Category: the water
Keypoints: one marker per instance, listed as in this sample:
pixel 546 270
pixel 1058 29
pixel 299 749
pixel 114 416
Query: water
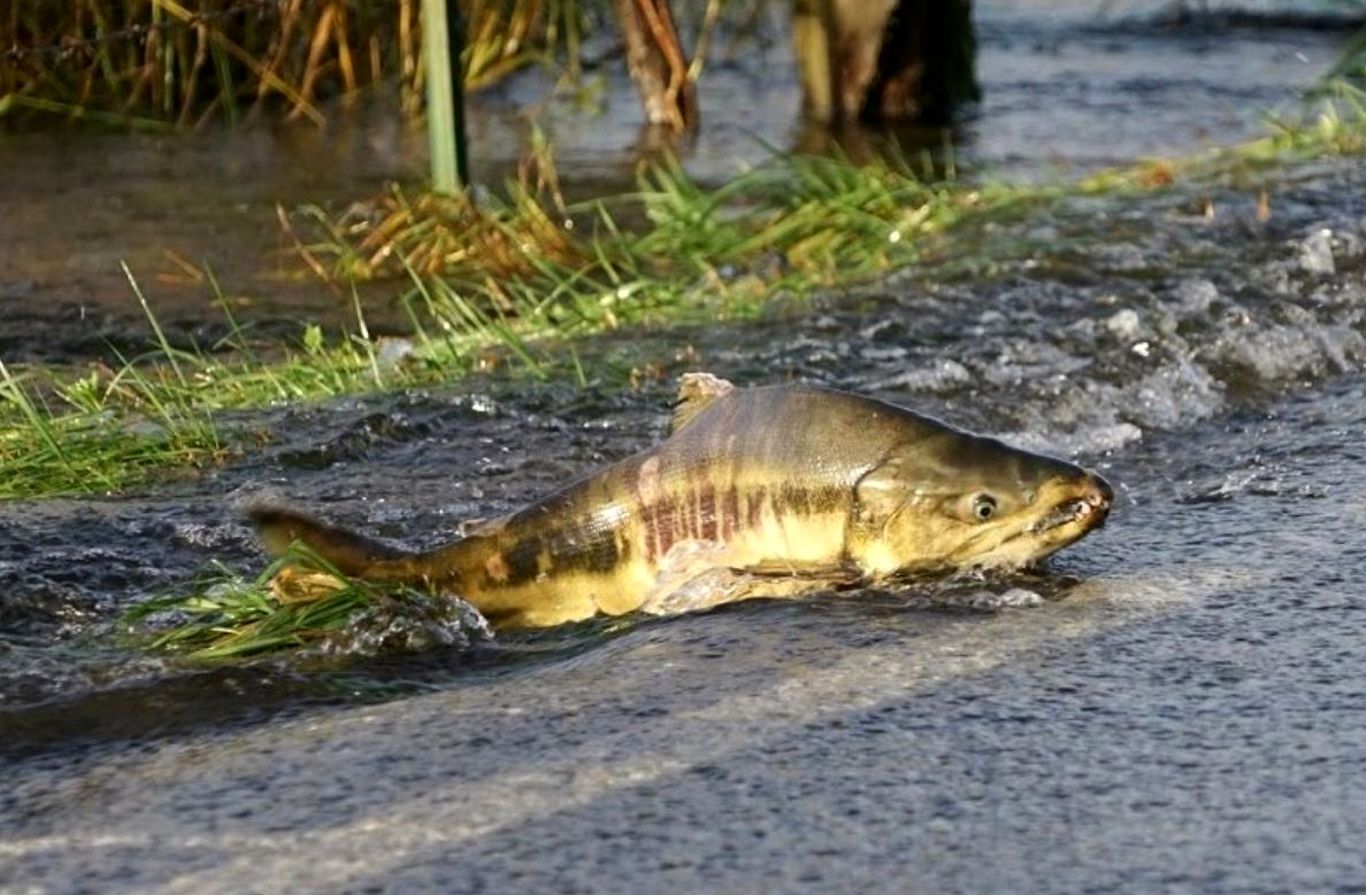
pixel 1068 87
pixel 1187 716
pixel 1180 710
pixel 1175 704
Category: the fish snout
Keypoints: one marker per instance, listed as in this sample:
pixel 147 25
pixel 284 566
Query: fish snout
pixel 1098 492
pixel 1096 498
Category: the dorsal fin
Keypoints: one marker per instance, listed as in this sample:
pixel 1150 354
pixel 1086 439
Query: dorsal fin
pixel 696 392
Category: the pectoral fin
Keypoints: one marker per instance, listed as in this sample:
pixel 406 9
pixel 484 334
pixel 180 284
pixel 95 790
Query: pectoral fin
pixel 715 587
pixel 838 575
pixel 692 577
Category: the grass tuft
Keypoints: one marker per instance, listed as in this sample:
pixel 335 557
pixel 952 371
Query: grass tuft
pixel 1334 126
pixel 529 265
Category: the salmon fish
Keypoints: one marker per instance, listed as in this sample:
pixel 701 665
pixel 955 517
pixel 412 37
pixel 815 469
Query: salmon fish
pixel 767 491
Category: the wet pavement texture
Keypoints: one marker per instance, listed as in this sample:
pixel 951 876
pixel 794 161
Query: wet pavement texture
pixel 1176 704
pixel 1188 716
pixel 1180 710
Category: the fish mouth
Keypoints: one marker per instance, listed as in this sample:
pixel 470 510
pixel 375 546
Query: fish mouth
pixel 1088 511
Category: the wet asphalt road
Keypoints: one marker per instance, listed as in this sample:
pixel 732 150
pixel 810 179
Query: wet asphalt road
pixel 1188 718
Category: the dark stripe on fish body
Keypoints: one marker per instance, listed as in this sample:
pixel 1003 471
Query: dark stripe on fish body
pixel 698 515
pixel 694 513
pixel 685 519
pixel 597 551
pixel 794 499
pixel 687 515
pixel 665 531
pixel 523 560
pixel 706 508
pixel 575 548
pixel 730 512
pixel 647 523
pixel 754 506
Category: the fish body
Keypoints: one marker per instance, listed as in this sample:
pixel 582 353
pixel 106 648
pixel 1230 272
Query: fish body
pixel 762 491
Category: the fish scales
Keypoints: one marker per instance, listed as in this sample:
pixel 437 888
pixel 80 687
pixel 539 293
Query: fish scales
pixel 611 532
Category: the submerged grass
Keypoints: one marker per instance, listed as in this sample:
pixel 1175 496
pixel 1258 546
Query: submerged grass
pixel 673 249
pixel 109 429
pixel 49 453
pixel 535 265
pixel 297 602
pixel 1338 127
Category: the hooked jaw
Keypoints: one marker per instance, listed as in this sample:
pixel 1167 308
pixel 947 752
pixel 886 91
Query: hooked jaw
pixel 1098 497
pixel 1087 510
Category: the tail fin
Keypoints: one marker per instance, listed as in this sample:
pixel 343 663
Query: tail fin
pixel 353 554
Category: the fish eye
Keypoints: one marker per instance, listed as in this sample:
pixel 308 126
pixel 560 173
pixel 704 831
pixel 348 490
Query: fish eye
pixel 983 507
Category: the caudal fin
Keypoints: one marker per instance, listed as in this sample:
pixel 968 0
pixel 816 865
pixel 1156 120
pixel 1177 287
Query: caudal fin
pixel 353 554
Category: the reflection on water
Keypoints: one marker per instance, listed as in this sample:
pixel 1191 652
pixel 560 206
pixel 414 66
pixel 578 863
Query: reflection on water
pixel 1064 90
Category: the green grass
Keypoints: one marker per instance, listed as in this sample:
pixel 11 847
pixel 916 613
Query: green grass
pixel 531 264
pixel 1337 127
pixel 533 285
pixel 108 430
pixel 826 221
pixel 227 616
pixel 103 435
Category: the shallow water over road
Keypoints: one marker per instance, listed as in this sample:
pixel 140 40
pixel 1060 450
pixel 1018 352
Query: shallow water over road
pixel 1188 715
pixel 1175 704
pixel 1182 708
pixel 1110 326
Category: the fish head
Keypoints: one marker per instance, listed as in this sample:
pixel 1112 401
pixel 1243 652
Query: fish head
pixel 954 500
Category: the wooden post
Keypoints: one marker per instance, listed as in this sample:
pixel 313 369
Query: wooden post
pixel 442 42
